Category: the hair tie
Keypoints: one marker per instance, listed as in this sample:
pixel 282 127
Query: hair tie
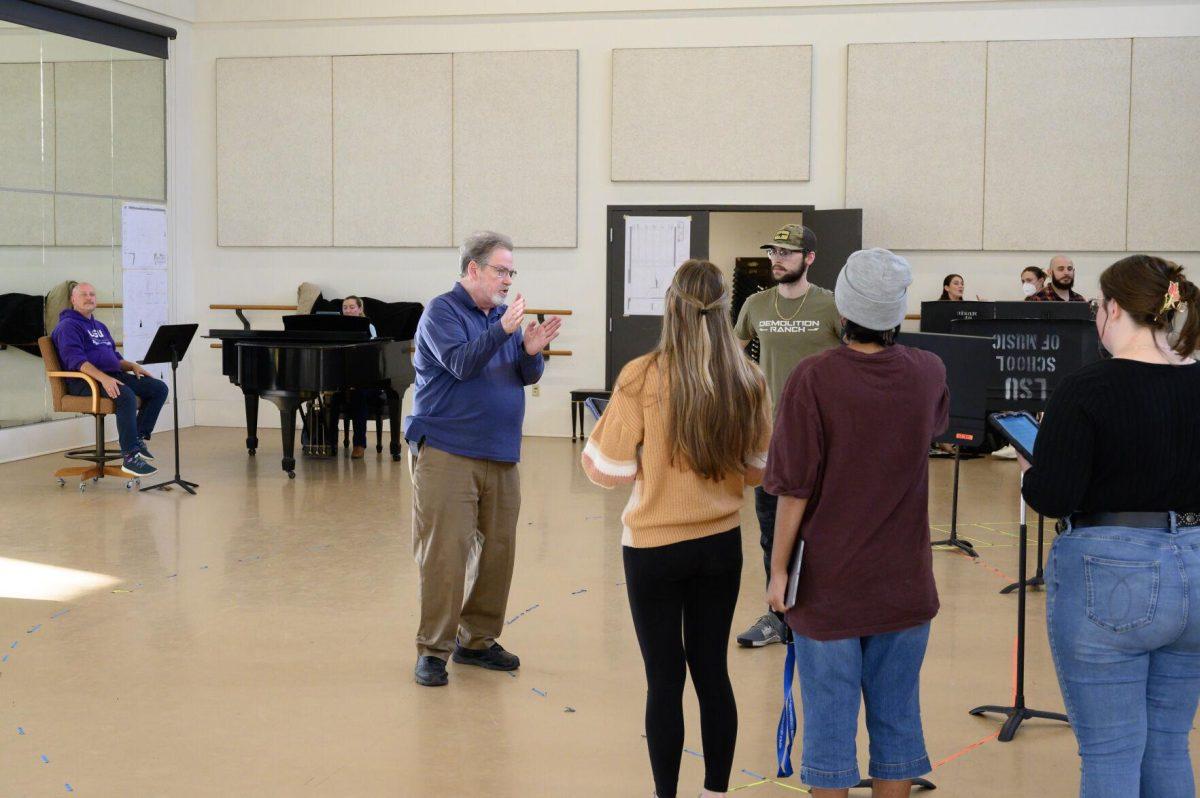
pixel 1170 299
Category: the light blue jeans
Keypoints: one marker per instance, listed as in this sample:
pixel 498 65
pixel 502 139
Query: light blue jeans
pixel 1123 613
pixel 836 677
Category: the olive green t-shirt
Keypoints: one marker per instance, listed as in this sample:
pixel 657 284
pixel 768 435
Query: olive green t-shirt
pixel 789 331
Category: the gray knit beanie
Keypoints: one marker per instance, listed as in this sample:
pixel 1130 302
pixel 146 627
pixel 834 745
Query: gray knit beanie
pixel 872 289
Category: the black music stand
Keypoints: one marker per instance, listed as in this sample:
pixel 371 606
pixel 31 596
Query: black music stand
pixel 170 344
pixel 966 360
pixel 1018 712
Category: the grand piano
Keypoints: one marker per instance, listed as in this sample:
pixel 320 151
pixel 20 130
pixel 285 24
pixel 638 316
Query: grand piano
pixel 290 367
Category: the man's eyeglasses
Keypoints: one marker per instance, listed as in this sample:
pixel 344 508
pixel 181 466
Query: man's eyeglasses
pixel 779 254
pixel 505 274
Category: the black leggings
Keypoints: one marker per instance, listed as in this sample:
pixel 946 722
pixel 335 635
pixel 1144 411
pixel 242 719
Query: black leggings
pixel 688 587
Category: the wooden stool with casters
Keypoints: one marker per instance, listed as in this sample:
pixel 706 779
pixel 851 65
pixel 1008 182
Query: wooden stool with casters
pixel 97 405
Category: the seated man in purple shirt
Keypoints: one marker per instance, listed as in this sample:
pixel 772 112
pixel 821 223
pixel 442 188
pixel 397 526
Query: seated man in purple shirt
pixel 84 344
pixel 473 362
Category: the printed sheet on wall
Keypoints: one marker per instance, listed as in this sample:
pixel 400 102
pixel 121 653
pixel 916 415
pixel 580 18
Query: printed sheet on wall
pixel 655 246
pixel 145 279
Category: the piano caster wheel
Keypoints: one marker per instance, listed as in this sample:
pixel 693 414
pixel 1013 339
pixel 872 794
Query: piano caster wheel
pixel 62 483
pixel 378 449
pixel 291 475
pixel 395 458
pixel 83 487
pixel 129 484
pixel 251 451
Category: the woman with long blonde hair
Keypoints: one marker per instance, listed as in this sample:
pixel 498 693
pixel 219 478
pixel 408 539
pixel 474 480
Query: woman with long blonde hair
pixel 688 425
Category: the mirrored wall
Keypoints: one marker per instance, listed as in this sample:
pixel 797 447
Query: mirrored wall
pixel 82 132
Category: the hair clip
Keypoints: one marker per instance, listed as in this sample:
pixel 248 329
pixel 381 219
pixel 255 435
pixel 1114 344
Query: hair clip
pixel 1170 299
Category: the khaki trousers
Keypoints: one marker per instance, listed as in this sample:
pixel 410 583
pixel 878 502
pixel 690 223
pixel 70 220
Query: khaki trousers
pixel 464 541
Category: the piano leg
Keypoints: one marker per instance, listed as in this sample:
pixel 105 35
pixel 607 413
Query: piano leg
pixel 393 402
pixel 287 417
pixel 251 422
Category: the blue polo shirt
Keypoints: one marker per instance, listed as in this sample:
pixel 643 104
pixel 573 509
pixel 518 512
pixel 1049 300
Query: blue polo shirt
pixel 469 397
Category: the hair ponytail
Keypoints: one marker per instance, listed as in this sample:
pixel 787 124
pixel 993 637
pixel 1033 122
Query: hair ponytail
pixel 1189 336
pixel 1153 291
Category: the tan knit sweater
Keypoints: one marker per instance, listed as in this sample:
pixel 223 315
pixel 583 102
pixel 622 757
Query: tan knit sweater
pixel 669 503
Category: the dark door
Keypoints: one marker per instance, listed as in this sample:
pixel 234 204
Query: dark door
pixel 632 336
pixel 839 233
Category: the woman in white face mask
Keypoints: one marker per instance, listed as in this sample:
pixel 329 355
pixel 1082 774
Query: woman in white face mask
pixel 1033 280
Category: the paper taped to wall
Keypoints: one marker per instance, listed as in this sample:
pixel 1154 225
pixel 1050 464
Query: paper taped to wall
pixel 654 248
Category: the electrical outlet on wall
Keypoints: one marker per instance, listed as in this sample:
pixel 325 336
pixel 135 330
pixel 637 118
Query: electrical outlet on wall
pixel 537 390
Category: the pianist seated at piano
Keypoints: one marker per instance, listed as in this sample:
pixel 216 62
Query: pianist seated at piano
pixel 84 344
pixel 473 362
pixel 360 398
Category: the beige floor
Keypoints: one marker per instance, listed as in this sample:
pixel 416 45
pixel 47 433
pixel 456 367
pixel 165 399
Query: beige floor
pixel 257 640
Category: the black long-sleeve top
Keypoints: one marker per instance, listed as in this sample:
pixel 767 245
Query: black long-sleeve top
pixel 1119 436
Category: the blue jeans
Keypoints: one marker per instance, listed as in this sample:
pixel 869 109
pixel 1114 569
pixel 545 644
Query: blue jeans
pixel 836 676
pixel 1123 614
pixel 133 425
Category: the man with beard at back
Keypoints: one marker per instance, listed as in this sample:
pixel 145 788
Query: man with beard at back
pixel 1062 281
pixel 793 320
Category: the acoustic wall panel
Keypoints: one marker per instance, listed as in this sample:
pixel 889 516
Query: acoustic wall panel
pixel 26 219
pixel 139 129
pixel 27 126
pixel 914 143
pixel 87 221
pixel 1057 145
pixel 711 113
pixel 1164 151
pixel 516 145
pixel 392 145
pixel 274 152
pixel 83 127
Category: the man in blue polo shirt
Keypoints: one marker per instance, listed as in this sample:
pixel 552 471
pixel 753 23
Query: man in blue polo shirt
pixel 473 362
pixel 85 345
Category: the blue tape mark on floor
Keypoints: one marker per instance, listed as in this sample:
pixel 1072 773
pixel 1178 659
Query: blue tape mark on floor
pixel 693 753
pixel 20 730
pixel 542 693
pixel 172 576
pixel 46 759
pixel 510 673
pixel 59 614
pixel 69 787
pixel 251 559
pixel 203 567
pixel 14 644
pixel 4 659
pixel 579 591
pixel 34 629
pixel 754 775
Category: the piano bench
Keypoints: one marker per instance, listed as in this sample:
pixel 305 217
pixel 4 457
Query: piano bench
pixel 578 397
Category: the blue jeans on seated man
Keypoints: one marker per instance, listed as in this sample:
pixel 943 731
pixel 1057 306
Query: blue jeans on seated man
pixel 836 676
pixel 133 424
pixel 1123 614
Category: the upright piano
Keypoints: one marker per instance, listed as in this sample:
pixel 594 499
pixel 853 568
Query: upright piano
pixel 290 367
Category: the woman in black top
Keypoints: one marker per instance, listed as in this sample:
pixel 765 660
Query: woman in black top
pixel 1118 458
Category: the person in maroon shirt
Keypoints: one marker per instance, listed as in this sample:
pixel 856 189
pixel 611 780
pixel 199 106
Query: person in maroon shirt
pixel 848 461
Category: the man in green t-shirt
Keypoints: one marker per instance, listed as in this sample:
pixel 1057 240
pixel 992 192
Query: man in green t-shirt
pixel 793 320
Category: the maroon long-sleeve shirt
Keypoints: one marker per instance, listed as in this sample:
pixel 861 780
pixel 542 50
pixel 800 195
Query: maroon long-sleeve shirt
pixel 852 435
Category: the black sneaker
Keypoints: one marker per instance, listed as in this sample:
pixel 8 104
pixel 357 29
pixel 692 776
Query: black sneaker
pixel 135 466
pixel 766 630
pixel 144 451
pixel 430 672
pixel 494 658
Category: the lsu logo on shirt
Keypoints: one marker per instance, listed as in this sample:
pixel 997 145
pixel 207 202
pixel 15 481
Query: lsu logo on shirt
pixel 98 338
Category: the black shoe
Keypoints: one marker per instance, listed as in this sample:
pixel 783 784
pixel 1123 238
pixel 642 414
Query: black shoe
pixel 494 658
pixel 144 451
pixel 430 672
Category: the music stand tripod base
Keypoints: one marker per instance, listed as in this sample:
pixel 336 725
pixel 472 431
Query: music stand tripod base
pixel 920 784
pixel 954 540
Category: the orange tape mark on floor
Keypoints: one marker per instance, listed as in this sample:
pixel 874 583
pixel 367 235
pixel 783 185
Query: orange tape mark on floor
pixel 965 751
pixel 979 562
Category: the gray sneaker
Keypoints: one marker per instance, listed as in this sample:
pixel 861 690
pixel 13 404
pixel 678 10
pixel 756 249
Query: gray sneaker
pixel 135 466
pixel 766 630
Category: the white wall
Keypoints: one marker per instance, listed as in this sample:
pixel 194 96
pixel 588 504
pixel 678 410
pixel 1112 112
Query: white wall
pixel 575 278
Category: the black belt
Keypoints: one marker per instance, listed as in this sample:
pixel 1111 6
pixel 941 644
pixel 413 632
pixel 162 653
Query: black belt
pixel 1135 520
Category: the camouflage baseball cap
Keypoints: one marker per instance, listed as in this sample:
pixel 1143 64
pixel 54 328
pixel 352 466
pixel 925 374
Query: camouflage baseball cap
pixel 795 237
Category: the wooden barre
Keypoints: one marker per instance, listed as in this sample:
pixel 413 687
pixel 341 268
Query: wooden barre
pixel 546 352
